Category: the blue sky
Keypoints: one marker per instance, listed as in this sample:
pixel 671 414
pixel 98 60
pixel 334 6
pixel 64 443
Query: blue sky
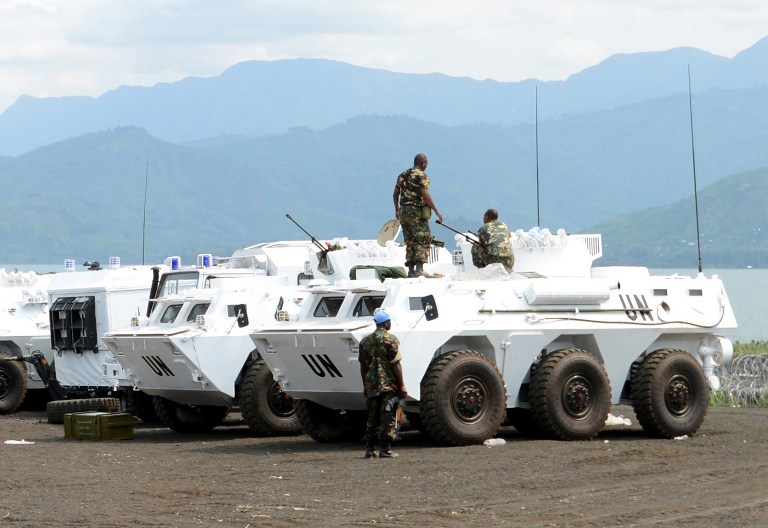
pixel 87 47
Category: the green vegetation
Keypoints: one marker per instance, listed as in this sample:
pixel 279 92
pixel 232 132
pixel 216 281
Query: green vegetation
pixel 753 348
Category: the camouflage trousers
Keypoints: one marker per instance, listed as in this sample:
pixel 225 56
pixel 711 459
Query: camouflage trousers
pixel 416 234
pixel 381 422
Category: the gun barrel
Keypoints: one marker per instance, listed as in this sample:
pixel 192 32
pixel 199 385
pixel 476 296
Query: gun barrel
pixel 475 241
pixel 314 240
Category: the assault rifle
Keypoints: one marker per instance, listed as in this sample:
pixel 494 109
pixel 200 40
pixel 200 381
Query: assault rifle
pixel 396 403
pixel 476 241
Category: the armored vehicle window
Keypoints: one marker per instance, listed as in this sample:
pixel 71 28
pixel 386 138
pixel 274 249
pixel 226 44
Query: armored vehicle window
pixel 170 313
pixel 366 306
pixel 198 309
pixel 414 304
pixel 328 307
pixel 172 283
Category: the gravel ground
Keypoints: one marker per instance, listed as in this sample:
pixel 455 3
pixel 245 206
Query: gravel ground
pixel 229 478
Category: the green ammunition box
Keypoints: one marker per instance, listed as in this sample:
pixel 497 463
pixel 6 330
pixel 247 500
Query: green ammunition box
pixel 98 426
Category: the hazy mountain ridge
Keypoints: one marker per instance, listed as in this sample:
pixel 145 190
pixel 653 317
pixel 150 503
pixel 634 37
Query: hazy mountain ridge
pixel 257 98
pixel 83 198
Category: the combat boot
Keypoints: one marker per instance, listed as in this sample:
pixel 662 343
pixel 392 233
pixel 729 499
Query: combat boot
pixel 370 449
pixel 418 271
pixel 386 450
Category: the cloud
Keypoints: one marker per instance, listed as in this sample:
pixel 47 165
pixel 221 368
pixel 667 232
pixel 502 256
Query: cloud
pixel 82 47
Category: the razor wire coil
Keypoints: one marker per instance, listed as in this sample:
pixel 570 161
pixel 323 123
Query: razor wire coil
pixel 744 381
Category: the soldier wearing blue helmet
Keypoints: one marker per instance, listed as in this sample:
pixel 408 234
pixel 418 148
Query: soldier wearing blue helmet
pixel 382 374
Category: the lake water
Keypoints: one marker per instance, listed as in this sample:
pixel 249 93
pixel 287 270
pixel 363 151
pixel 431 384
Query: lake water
pixel 746 289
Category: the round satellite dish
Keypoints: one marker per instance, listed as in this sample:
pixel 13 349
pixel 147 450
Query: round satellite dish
pixel 388 231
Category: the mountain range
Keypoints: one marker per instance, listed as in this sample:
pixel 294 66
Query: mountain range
pixel 209 165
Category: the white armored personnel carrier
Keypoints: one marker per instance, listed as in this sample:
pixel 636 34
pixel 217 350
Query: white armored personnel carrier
pixel 23 330
pixel 548 348
pixel 85 305
pixel 195 356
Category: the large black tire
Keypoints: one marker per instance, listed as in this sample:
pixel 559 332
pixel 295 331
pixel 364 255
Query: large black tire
pixel 56 409
pixel 328 425
pixel 184 418
pixel 140 404
pixel 570 395
pixel 13 385
pixel 463 399
pixel 669 393
pixel 266 409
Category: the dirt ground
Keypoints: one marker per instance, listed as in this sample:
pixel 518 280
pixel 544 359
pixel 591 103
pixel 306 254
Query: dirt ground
pixel 229 478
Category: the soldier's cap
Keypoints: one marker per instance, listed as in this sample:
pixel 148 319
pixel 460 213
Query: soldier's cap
pixel 380 316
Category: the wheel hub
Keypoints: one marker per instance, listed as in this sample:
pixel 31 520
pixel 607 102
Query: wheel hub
pixel 469 400
pixel 577 396
pixel 678 395
pixel 279 402
pixel 3 384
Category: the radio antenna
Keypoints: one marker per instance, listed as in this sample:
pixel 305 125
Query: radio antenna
pixel 144 225
pixel 693 157
pixel 538 207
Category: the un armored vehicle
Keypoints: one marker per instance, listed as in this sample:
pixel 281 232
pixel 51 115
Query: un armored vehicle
pixel 548 348
pixel 23 330
pixel 84 305
pixel 194 354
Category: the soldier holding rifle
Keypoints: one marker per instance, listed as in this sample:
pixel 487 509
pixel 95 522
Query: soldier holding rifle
pixel 494 243
pixel 413 207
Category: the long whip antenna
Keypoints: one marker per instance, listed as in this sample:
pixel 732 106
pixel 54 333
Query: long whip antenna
pixel 538 208
pixel 144 225
pixel 693 156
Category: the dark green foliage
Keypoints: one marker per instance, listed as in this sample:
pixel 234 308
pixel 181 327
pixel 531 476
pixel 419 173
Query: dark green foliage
pixel 732 221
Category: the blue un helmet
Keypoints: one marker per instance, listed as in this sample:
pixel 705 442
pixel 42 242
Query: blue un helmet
pixel 380 316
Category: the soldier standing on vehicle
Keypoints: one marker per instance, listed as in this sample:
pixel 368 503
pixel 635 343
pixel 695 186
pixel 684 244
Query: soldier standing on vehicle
pixel 494 243
pixel 382 376
pixel 413 207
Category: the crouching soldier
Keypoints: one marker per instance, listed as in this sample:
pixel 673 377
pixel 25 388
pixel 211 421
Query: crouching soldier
pixel 494 243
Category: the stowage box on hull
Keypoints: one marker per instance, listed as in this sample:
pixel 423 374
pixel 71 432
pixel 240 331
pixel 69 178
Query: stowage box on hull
pixel 98 426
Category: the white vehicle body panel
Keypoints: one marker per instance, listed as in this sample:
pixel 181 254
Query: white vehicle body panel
pixel 118 294
pixel 24 318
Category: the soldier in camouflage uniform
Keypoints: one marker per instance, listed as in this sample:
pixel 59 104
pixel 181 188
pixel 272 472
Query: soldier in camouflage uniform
pixel 413 207
pixel 494 243
pixel 382 376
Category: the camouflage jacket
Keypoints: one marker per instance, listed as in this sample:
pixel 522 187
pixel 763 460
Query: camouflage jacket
pixel 410 183
pixel 378 352
pixel 496 246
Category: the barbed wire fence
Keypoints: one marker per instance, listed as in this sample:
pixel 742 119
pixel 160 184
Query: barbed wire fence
pixel 744 381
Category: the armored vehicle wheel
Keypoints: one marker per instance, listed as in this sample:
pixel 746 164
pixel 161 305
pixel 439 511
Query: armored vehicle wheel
pixel 140 405
pixel 56 409
pixel 669 393
pixel 570 395
pixel 184 418
pixel 329 425
pixel 463 398
pixel 13 385
pixel 522 420
pixel 266 409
